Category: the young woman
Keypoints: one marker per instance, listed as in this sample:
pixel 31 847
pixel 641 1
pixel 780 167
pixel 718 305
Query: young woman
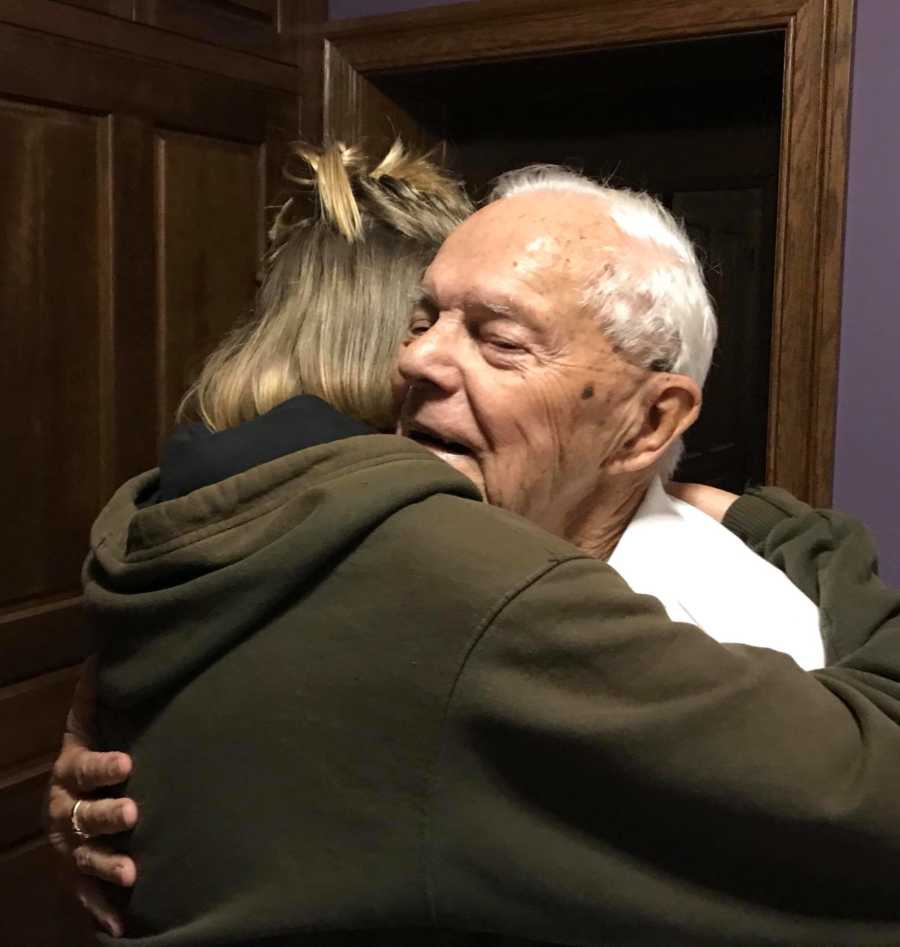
pixel 346 254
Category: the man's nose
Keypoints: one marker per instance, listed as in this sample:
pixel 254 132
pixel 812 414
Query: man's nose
pixel 432 357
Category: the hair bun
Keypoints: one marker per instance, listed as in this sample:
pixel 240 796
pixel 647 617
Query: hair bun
pixel 417 172
pixel 331 180
pixel 406 190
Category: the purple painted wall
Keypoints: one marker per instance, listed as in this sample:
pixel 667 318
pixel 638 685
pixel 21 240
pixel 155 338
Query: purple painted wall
pixel 343 9
pixel 867 466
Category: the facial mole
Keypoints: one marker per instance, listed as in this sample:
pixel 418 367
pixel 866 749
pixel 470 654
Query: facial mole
pixel 587 392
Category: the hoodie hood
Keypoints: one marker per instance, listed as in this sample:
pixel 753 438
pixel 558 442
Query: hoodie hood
pixel 171 586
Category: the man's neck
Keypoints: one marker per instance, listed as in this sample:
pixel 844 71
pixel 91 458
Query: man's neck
pixel 598 525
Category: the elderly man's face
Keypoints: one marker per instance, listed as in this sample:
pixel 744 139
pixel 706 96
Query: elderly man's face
pixel 512 382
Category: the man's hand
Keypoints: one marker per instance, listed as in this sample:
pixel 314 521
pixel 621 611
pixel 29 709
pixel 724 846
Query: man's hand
pixel 710 500
pixel 77 773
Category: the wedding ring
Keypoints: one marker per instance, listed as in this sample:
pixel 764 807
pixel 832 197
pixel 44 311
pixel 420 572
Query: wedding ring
pixel 76 828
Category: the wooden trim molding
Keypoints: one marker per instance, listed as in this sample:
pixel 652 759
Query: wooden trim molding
pixel 354 107
pixel 813 164
pixel 308 18
pixel 838 59
pixel 142 41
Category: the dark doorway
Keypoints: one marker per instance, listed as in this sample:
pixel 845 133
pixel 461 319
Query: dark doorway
pixel 695 123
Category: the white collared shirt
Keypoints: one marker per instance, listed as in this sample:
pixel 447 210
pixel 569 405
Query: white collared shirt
pixel 703 574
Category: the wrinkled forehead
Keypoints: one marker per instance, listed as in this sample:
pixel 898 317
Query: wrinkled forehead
pixel 542 240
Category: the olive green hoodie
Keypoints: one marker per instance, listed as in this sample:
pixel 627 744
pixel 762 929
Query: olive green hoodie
pixel 366 708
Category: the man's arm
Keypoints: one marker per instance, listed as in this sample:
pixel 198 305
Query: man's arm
pixel 828 555
pixel 78 774
pixel 684 791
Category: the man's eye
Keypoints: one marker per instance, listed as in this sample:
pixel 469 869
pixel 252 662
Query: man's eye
pixel 419 327
pixel 504 345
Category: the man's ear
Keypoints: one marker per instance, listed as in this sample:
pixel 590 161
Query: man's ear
pixel 670 405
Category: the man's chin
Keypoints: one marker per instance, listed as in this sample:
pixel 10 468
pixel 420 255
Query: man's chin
pixel 462 463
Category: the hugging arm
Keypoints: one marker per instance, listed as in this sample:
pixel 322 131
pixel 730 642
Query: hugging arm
pixel 790 782
pixel 828 555
pixel 79 773
pixel 719 793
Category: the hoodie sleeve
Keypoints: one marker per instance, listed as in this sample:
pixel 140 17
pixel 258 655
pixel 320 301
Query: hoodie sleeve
pixel 828 555
pixel 612 777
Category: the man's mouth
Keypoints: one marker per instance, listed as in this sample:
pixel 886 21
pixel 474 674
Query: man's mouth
pixel 435 441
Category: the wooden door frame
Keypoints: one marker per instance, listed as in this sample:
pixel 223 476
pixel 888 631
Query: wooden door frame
pixel 812 171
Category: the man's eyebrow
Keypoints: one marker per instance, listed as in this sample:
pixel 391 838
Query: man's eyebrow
pixel 500 308
pixel 507 309
pixel 422 299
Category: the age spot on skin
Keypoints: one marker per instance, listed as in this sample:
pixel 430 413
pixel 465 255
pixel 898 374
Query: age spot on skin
pixel 587 392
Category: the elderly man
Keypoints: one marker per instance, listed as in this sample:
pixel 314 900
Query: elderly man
pixel 556 357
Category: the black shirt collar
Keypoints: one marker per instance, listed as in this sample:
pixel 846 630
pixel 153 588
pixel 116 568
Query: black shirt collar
pixel 195 457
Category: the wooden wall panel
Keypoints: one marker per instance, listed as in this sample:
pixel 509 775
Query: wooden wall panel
pixel 181 97
pixel 264 28
pixel 22 794
pixel 209 199
pixel 129 39
pixel 137 161
pixel 120 8
pixel 42 637
pixel 31 912
pixel 32 714
pixel 38 915
pixel 53 239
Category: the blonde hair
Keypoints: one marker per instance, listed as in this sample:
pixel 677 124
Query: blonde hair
pixel 334 304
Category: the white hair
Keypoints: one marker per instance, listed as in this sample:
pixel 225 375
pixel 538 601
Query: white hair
pixel 649 293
